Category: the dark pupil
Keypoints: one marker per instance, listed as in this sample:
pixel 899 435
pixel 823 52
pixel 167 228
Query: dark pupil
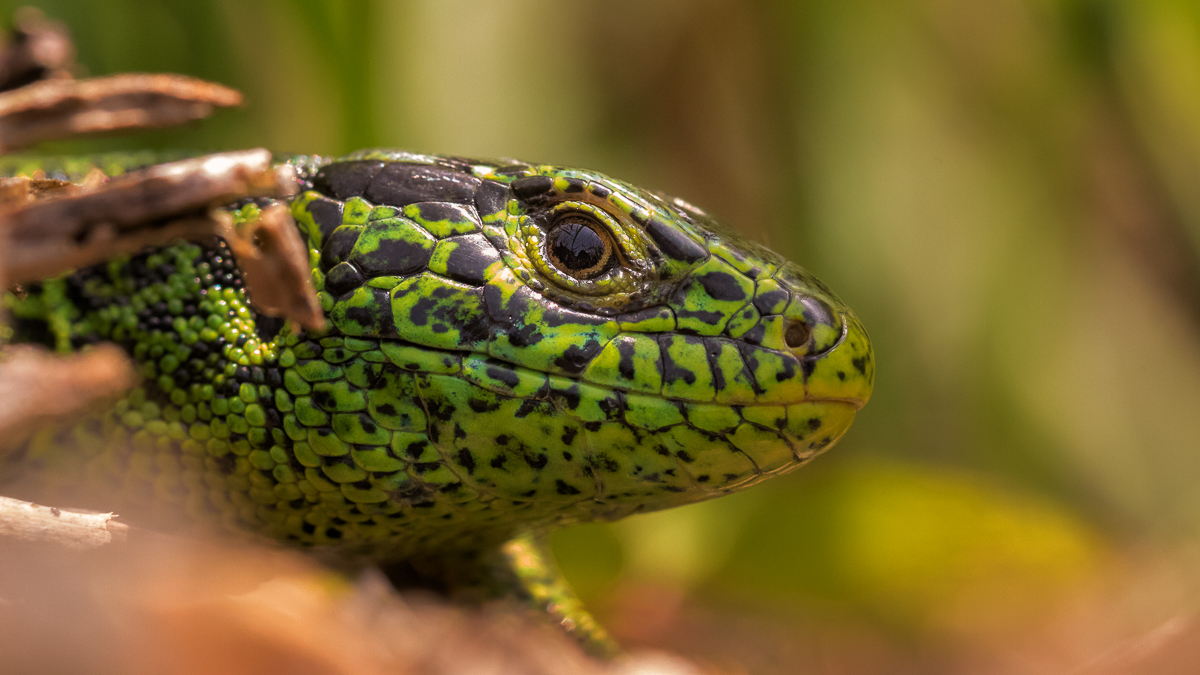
pixel 578 247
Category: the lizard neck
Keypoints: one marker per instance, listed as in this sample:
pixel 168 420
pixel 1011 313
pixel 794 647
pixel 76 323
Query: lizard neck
pixel 182 314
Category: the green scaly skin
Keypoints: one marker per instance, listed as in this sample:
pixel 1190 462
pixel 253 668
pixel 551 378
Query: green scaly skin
pixel 467 392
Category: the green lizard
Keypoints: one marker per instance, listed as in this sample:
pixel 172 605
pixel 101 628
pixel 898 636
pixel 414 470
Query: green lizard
pixel 510 348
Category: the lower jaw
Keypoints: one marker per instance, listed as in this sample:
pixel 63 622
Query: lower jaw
pixel 812 427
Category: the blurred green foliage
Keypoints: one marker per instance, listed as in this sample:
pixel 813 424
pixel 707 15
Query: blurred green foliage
pixel 1005 191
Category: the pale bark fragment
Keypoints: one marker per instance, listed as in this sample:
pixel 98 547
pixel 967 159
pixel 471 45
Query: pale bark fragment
pixel 25 521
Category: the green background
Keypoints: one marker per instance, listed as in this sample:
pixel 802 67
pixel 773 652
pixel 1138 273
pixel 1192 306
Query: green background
pixel 1004 191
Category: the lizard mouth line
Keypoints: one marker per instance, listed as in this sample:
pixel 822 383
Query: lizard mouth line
pixel 545 391
pixel 856 403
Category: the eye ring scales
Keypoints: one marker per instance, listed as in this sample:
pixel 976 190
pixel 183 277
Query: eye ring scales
pixel 579 247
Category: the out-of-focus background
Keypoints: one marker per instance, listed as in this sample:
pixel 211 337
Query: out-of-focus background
pixel 1007 193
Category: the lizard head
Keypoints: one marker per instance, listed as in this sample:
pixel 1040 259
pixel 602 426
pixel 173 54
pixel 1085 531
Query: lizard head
pixel 564 342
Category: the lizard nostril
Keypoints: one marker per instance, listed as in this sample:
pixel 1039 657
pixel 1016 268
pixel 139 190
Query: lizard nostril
pixel 797 334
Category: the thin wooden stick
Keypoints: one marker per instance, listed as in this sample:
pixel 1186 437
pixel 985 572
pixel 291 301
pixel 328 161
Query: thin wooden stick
pixel 30 522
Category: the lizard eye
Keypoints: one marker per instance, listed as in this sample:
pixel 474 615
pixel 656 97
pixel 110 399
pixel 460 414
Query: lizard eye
pixel 578 246
pixel 580 249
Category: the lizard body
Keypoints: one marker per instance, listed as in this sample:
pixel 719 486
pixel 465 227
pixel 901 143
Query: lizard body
pixel 510 348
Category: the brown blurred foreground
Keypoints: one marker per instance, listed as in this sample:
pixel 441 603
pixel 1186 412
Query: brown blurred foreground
pixel 163 605
pixel 167 606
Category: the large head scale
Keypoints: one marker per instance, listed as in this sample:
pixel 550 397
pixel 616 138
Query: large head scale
pixel 559 343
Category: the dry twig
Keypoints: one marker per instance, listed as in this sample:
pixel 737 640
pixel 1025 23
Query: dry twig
pixel 29 522
pixel 53 109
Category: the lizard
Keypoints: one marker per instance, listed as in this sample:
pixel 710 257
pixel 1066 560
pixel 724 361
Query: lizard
pixel 510 348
